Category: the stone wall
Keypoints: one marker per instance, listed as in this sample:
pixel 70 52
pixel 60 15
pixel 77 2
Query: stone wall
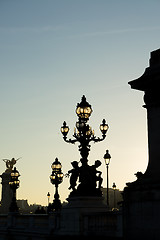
pixel 42 227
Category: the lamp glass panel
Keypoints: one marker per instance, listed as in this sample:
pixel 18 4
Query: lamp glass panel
pixel 107 161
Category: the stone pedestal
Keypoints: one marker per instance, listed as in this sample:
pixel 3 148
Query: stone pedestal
pixel 7 193
pixel 142 197
pixel 142 211
pixel 73 214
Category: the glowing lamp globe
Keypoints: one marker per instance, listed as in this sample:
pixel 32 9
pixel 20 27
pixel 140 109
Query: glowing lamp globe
pixel 107 157
pixel 104 127
pixel 83 109
pixel 64 129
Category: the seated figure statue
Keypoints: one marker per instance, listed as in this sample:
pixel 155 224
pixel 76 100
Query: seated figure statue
pixel 94 172
pixel 90 180
pixel 89 176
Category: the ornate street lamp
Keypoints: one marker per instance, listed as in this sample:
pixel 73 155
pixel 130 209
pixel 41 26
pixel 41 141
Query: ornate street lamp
pixel 83 133
pixel 107 158
pixel 56 178
pixel 14 184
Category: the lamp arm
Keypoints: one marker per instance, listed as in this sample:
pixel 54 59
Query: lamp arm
pixel 70 140
pixel 97 139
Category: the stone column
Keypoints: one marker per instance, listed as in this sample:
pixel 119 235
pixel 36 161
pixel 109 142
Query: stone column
pixel 149 82
pixel 141 206
pixel 7 193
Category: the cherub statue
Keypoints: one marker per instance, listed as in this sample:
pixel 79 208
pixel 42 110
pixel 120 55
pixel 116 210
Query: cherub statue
pixel 74 175
pixel 10 164
pixel 97 178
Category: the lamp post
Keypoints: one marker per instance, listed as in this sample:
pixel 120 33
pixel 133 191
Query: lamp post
pixel 14 184
pixel 56 178
pixel 83 133
pixel 114 189
pixel 107 158
pixel 48 197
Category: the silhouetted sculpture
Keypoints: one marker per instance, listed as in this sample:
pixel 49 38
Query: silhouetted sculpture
pixel 7 193
pixel 88 176
pixel 10 164
pixel 94 171
pixel 74 175
pixel 139 175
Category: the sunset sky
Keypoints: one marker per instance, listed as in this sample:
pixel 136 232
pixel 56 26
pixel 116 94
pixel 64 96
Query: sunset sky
pixel 51 53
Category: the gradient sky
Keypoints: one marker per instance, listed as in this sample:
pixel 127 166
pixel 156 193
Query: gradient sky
pixel 51 53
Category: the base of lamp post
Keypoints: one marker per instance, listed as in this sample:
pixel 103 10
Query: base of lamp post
pixel 78 211
pixel 84 191
pixel 91 203
pixel 13 207
pixel 56 205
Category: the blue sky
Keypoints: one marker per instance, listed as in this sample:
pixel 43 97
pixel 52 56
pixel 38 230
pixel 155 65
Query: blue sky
pixel 53 52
